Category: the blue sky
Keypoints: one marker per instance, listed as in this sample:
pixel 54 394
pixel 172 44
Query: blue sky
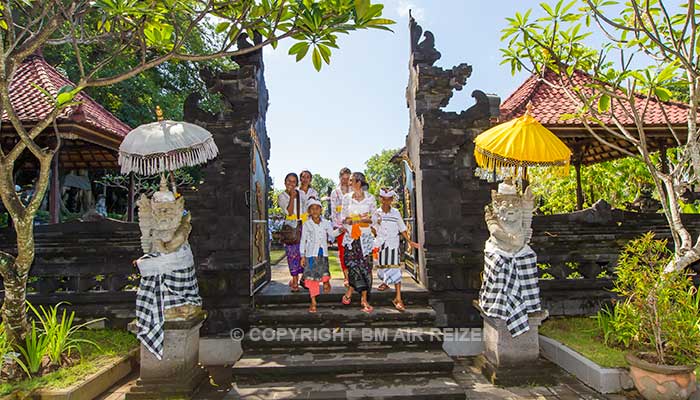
pixel 356 107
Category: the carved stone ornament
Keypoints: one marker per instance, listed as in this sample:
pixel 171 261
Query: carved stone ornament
pixel 509 217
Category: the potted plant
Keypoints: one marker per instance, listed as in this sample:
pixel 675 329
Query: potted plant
pixel 657 317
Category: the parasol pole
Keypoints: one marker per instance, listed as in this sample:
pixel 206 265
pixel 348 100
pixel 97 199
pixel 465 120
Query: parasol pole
pixel 171 174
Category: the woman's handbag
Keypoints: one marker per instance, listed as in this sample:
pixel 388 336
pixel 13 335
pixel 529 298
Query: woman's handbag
pixel 290 235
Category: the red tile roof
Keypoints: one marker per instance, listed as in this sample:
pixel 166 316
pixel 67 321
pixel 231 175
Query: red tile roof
pixel 32 106
pixel 549 103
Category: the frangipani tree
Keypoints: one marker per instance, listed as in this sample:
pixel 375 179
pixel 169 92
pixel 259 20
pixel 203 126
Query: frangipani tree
pixel 150 32
pixel 661 37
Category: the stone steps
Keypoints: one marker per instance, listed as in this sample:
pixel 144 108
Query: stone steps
pixel 388 387
pixel 376 298
pixel 347 339
pixel 316 363
pixel 345 316
pixel 383 355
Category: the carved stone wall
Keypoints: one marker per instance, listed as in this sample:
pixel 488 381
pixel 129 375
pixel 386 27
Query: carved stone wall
pixel 449 199
pixel 221 235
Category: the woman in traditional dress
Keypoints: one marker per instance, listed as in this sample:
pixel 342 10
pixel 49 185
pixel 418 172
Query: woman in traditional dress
pixel 358 207
pixel 305 188
pixel 292 202
pixel 336 208
pixel 389 226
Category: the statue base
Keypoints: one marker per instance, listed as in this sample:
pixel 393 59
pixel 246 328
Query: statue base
pixel 538 373
pixel 514 361
pixel 178 374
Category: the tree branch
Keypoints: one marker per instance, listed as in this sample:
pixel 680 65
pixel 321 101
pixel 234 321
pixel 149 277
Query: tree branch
pixel 184 57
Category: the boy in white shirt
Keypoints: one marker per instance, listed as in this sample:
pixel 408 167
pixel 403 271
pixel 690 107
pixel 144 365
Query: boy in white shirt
pixel 389 227
pixel 315 235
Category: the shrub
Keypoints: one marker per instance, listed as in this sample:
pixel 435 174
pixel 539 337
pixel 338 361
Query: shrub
pixel 60 332
pixel 35 348
pixel 54 339
pixel 658 312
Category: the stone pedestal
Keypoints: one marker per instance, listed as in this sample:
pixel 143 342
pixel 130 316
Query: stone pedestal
pixel 178 374
pixel 514 361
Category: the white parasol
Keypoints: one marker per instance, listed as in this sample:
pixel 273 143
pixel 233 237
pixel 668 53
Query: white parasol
pixel 165 146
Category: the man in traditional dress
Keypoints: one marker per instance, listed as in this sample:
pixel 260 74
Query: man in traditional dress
pixel 389 227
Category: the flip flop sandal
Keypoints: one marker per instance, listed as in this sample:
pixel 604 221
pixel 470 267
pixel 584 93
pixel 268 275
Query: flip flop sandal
pixel 383 287
pixel 399 305
pixel 312 310
pixel 294 288
pixel 367 309
pixel 346 300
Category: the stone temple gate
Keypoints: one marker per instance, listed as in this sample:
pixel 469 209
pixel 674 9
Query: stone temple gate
pixel 444 200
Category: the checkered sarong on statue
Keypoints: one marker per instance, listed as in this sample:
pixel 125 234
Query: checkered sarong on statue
pixel 167 281
pixel 509 289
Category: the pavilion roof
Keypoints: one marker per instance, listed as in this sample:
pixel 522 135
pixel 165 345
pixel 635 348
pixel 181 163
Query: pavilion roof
pixel 549 103
pixel 88 121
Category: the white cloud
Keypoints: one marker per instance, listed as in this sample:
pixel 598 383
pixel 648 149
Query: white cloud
pixel 404 6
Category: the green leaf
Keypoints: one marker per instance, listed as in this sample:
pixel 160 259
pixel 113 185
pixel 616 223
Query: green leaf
pixel 296 48
pixel 663 94
pixel 361 7
pixel 222 26
pixel 302 53
pixel 325 53
pixel 603 103
pixel 316 58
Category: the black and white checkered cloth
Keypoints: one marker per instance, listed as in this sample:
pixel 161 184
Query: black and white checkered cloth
pixel 157 293
pixel 509 289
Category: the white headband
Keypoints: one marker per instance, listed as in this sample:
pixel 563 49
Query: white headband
pixel 313 202
pixel 387 193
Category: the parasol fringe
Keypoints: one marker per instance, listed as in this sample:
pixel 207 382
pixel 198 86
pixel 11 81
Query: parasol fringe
pixel 153 164
pixel 493 162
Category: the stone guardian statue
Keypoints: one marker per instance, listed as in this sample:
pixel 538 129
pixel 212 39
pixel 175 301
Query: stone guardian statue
pixel 168 287
pixel 509 288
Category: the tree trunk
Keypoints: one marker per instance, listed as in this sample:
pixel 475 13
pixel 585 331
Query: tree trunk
pixel 14 310
pixel 15 270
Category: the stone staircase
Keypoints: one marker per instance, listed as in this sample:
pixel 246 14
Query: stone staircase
pixel 342 353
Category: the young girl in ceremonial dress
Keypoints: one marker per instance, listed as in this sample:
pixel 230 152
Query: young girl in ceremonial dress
pixel 316 233
pixel 389 227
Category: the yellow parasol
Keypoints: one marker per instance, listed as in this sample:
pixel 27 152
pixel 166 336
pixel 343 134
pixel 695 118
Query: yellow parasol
pixel 522 142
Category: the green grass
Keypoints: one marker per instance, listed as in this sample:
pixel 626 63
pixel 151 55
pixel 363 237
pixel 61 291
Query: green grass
pixel 334 264
pixel 113 345
pixel 276 256
pixel 582 335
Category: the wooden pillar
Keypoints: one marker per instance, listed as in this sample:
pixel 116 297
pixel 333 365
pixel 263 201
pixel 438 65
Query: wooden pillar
pixel 663 158
pixel 579 189
pixel 130 202
pixel 54 191
pixel 526 180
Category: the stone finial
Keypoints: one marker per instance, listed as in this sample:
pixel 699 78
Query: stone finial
pixel 422 53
